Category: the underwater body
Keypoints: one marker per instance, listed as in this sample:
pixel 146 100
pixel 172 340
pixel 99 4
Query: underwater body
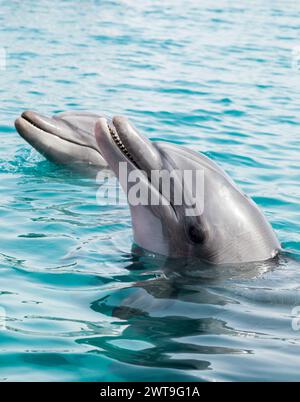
pixel 77 303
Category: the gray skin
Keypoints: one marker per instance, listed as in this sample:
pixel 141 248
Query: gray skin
pixel 66 138
pixel 230 229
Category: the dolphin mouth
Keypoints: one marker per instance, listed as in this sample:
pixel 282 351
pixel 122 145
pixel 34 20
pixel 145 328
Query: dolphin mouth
pixel 34 120
pixel 120 144
pixel 131 147
pixel 30 120
pixel 31 126
pixel 129 152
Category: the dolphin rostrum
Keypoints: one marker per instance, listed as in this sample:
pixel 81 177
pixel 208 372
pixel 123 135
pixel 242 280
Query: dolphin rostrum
pixel 66 138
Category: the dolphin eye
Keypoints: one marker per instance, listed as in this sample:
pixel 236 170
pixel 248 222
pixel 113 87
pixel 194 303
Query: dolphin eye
pixel 196 234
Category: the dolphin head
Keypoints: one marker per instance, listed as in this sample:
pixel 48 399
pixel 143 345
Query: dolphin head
pixel 66 138
pixel 225 227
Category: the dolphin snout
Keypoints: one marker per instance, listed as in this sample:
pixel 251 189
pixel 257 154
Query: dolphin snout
pixel 121 139
pixel 39 121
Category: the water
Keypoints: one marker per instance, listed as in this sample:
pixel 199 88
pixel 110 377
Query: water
pixel 78 305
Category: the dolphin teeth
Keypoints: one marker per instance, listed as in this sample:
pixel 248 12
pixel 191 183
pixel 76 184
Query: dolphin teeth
pixel 119 143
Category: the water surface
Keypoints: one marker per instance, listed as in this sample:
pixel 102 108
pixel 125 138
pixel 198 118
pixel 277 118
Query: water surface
pixel 216 77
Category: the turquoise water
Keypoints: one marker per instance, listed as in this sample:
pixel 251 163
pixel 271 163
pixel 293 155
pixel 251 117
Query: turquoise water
pixel 215 76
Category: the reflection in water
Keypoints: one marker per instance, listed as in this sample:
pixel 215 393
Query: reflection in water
pixel 170 316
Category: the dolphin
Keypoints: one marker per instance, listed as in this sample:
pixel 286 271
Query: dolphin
pixel 66 138
pixel 229 228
